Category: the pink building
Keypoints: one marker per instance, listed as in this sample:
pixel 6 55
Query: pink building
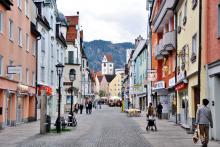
pixel 18 36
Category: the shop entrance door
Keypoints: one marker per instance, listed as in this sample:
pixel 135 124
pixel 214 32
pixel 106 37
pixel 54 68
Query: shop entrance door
pixel 184 109
pixel 19 111
pixel 8 109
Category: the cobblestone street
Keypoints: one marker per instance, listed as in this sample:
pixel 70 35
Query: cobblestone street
pixel 103 128
pixel 106 127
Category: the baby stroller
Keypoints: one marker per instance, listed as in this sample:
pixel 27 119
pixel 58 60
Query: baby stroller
pixel 151 124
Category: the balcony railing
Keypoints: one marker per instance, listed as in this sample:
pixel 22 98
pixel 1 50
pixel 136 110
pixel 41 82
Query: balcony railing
pixel 169 41
pixel 164 12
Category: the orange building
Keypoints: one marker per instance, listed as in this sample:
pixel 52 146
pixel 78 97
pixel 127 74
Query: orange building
pixel 17 62
pixel 210 83
pixel 164 55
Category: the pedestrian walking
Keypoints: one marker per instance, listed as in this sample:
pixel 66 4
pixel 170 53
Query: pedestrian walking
pixel 151 117
pixel 203 120
pixel 90 107
pixel 159 110
pixel 100 104
pixel 87 107
pixel 81 108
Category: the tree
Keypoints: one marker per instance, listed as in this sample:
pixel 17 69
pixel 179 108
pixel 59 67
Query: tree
pixel 101 93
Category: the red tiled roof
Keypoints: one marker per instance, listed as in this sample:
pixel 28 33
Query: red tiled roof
pixel 72 20
pixel 72 32
pixel 109 57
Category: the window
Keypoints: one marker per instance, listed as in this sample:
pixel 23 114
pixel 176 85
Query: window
pixel 19 36
pixel 27 76
pixel 1 65
pixel 1 22
pixel 70 57
pixel 51 21
pixel 19 4
pixel 104 64
pixel 27 8
pixel 10 29
pixel 180 19
pixel 33 79
pixel 34 47
pixel 42 44
pixel 42 74
pixel 27 42
pixel 185 13
pixel 219 20
pixel 51 50
pixel 61 56
pixel 194 48
pixel 20 76
pixel 10 76
pixel 57 55
pixel 83 64
pixel 110 65
pixel 52 75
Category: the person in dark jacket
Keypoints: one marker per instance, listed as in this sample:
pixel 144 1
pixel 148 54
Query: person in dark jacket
pixel 90 107
pixel 159 111
pixel 81 108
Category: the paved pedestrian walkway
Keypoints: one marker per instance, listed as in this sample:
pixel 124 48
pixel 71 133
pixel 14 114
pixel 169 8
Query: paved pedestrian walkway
pixel 168 135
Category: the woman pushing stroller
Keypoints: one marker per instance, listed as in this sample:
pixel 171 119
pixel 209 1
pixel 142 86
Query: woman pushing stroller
pixel 151 118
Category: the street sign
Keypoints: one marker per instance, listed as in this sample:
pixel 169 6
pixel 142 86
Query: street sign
pixel 14 69
pixel 67 83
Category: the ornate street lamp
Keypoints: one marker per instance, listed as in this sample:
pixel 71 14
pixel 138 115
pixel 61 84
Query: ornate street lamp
pixel 59 68
pixel 72 77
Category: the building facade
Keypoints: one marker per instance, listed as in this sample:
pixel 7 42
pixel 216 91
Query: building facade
pixel 107 65
pixel 211 60
pixel 164 55
pixel 18 36
pixel 139 71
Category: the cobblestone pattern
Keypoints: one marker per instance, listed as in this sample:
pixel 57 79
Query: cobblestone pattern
pixel 103 128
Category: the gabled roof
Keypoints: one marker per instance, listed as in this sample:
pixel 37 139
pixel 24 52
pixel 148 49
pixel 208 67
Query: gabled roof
pixel 109 78
pixel 99 76
pixel 141 45
pixel 109 57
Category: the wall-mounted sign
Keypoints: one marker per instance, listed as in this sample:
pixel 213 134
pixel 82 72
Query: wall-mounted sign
pixel 14 69
pixel 23 88
pixel 159 85
pixel 172 82
pixel 67 83
pixel 181 86
pixel 151 75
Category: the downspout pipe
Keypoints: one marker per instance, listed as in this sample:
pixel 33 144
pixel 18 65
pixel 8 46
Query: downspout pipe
pixel 200 48
pixel 36 75
pixel 176 18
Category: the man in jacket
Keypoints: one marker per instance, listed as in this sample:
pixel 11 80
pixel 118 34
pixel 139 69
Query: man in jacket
pixel 203 120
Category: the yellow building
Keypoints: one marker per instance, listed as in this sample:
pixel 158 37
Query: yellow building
pixel 115 86
pixel 187 61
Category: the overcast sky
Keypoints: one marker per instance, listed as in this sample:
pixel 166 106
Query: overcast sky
pixel 112 20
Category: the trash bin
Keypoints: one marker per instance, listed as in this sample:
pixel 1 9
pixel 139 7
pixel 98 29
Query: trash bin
pixel 48 123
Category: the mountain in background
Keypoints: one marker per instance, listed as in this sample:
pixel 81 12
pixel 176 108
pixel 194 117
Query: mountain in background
pixel 96 49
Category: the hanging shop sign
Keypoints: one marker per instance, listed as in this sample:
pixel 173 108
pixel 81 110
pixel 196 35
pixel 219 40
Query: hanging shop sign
pixel 172 82
pixel 159 85
pixel 180 86
pixel 67 83
pixel 46 88
pixel 151 75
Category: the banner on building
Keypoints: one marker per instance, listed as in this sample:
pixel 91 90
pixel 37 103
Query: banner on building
pixel 151 75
